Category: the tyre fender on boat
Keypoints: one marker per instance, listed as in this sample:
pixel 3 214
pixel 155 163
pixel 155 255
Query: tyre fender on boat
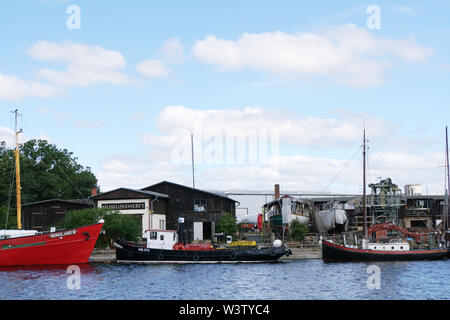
pixel 233 256
pixel 196 257
pixel 160 256
pixel 273 252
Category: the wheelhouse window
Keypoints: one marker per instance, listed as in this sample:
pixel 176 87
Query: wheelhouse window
pixel 153 235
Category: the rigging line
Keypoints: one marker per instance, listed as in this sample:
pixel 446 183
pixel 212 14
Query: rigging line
pixel 82 196
pixel 387 167
pixel 12 176
pixel 64 173
pixel 10 194
pixel 359 148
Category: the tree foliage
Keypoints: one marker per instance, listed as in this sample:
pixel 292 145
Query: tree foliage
pixel 116 225
pixel 8 221
pixel 227 224
pixel 46 173
pixel 297 230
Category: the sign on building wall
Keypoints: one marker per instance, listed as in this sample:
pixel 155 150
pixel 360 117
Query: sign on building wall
pixel 124 206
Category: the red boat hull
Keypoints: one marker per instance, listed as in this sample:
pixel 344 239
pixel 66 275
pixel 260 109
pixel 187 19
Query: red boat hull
pixel 333 252
pixel 66 247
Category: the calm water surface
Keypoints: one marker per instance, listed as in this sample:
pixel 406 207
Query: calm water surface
pixel 290 280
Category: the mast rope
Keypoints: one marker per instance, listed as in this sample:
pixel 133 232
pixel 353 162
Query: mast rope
pixel 10 195
pixel 342 169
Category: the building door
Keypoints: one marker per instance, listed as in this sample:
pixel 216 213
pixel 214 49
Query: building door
pixel 207 230
pixel 198 231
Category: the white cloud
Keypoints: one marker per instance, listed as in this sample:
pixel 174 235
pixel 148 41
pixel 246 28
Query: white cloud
pixel 153 68
pixel 406 10
pixel 347 54
pixel 293 128
pixel 86 65
pixel 137 171
pixel 7 135
pixel 295 169
pixel 172 51
pixel 15 88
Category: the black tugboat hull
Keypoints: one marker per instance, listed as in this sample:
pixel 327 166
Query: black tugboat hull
pixel 333 252
pixel 130 253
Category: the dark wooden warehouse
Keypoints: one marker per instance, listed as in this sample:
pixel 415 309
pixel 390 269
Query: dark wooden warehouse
pixel 43 215
pixel 195 205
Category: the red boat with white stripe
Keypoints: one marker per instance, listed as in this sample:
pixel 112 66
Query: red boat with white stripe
pixel 30 248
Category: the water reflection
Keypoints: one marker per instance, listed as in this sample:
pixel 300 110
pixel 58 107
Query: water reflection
pixel 286 280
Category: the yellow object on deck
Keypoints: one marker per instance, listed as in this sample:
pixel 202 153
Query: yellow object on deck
pixel 243 244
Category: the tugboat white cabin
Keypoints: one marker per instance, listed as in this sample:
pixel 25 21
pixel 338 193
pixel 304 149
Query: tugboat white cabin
pixel 161 239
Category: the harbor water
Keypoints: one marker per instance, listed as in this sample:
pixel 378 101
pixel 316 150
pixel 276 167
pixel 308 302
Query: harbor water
pixel 285 280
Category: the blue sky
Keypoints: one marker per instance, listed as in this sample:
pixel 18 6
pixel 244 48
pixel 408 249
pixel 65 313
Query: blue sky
pixel 314 71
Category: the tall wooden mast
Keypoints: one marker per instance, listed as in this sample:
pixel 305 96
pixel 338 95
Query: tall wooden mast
pixel 448 181
pixel 17 164
pixel 364 188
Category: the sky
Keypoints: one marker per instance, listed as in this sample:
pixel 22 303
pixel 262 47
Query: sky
pixel 274 92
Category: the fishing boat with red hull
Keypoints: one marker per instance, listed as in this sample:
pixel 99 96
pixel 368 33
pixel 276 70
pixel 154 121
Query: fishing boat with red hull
pixel 32 248
pixel 163 247
pixel 334 252
pixel 54 248
pixel 396 249
pixel 400 245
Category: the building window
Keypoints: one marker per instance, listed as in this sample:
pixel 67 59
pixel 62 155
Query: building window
pixel 199 205
pixel 418 224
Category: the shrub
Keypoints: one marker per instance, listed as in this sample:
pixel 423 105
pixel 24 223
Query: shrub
pixel 297 230
pixel 227 224
pixel 116 225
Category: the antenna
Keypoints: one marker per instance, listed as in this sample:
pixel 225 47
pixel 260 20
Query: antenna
pixel 193 168
pixel 448 180
pixel 364 187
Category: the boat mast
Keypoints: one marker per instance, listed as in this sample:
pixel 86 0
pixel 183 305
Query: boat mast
pixel 17 161
pixel 364 188
pixel 448 181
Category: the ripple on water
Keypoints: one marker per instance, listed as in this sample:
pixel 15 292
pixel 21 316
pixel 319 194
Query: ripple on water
pixel 286 280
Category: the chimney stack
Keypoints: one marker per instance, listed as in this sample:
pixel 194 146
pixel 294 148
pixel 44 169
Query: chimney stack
pixel 277 191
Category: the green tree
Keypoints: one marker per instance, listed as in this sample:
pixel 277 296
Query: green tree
pixel 116 225
pixel 297 230
pixel 46 173
pixel 227 224
pixel 9 222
